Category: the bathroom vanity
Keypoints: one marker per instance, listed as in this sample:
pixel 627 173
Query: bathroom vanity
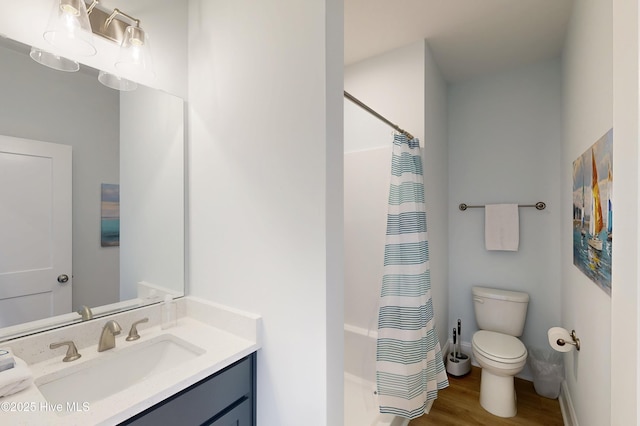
pixel 224 398
pixel 201 371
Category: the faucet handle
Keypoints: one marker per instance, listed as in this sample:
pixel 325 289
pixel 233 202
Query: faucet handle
pixel 72 351
pixel 133 333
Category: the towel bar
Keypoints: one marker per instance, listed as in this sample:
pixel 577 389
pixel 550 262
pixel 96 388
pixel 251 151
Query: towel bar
pixel 539 205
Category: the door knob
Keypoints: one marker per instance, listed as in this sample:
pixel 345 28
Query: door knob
pixel 63 278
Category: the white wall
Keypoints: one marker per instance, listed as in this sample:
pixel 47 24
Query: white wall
pixel 366 191
pixel 588 114
pixel 393 85
pixel 624 294
pixel 152 191
pixel 265 172
pixel 406 87
pixel 164 21
pixel 504 147
pixel 436 175
pixel 71 109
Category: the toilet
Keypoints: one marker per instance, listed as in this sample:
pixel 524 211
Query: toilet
pixel 500 315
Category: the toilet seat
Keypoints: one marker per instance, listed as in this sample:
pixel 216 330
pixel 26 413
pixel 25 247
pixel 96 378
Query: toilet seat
pixel 499 347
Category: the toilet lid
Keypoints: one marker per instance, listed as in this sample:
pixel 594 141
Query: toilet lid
pixel 499 347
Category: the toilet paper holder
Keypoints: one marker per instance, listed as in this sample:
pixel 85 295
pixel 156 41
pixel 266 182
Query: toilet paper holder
pixel 576 341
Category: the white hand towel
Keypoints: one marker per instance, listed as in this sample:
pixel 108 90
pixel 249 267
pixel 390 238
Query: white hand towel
pixel 15 379
pixel 501 227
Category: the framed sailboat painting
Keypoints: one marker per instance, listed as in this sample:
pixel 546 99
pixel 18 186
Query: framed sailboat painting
pixel 593 211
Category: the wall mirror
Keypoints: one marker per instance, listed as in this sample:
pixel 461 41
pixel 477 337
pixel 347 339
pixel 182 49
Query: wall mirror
pixel 116 161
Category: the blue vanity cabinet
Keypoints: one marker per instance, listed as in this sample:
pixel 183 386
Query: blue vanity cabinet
pixel 226 398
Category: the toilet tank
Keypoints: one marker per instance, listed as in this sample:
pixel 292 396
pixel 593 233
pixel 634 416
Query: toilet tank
pixel 498 310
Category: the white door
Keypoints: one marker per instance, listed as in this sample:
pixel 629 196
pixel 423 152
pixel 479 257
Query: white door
pixel 35 230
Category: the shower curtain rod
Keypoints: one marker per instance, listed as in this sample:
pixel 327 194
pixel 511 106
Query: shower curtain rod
pixel 376 114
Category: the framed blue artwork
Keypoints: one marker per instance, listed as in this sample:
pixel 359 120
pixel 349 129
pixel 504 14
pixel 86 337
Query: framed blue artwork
pixel 110 215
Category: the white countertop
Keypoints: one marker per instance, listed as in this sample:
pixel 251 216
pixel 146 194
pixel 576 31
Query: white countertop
pixel 226 336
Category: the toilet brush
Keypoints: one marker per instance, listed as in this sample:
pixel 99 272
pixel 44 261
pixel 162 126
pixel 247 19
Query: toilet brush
pixel 455 346
pixel 452 356
pixel 459 364
pixel 460 336
pixel 459 354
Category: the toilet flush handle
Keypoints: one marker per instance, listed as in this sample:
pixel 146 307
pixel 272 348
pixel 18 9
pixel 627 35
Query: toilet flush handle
pixel 479 300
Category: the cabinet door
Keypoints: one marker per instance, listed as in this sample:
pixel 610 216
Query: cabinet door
pixel 239 416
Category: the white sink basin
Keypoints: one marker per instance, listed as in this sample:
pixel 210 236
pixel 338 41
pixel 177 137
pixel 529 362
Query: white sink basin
pixel 114 370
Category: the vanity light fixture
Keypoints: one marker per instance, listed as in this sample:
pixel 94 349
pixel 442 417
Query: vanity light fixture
pixel 51 60
pixel 116 82
pixel 134 57
pixel 69 29
pixel 72 24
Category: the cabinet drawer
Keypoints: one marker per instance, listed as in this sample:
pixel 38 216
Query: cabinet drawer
pixel 239 416
pixel 201 401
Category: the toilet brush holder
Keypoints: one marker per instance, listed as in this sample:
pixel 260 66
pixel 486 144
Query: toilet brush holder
pixel 458 365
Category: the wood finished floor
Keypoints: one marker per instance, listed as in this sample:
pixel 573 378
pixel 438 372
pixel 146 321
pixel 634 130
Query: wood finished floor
pixel 459 405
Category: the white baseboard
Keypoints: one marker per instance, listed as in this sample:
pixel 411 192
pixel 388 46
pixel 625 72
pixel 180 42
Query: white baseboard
pixel 566 406
pixel 445 351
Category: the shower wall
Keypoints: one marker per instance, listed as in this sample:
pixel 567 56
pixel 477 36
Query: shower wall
pixel 405 86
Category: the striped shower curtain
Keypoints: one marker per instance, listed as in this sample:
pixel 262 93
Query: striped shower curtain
pixel 410 370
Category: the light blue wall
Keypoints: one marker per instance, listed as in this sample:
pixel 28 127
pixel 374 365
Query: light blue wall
pixel 502 143
pixel 504 147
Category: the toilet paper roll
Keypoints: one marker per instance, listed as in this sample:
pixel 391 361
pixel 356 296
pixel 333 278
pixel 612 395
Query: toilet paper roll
pixel 556 333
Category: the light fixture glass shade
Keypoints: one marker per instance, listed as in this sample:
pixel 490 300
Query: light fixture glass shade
pixel 69 29
pixel 116 82
pixel 51 60
pixel 134 59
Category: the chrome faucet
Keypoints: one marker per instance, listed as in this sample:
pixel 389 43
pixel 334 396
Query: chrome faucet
pixel 108 336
